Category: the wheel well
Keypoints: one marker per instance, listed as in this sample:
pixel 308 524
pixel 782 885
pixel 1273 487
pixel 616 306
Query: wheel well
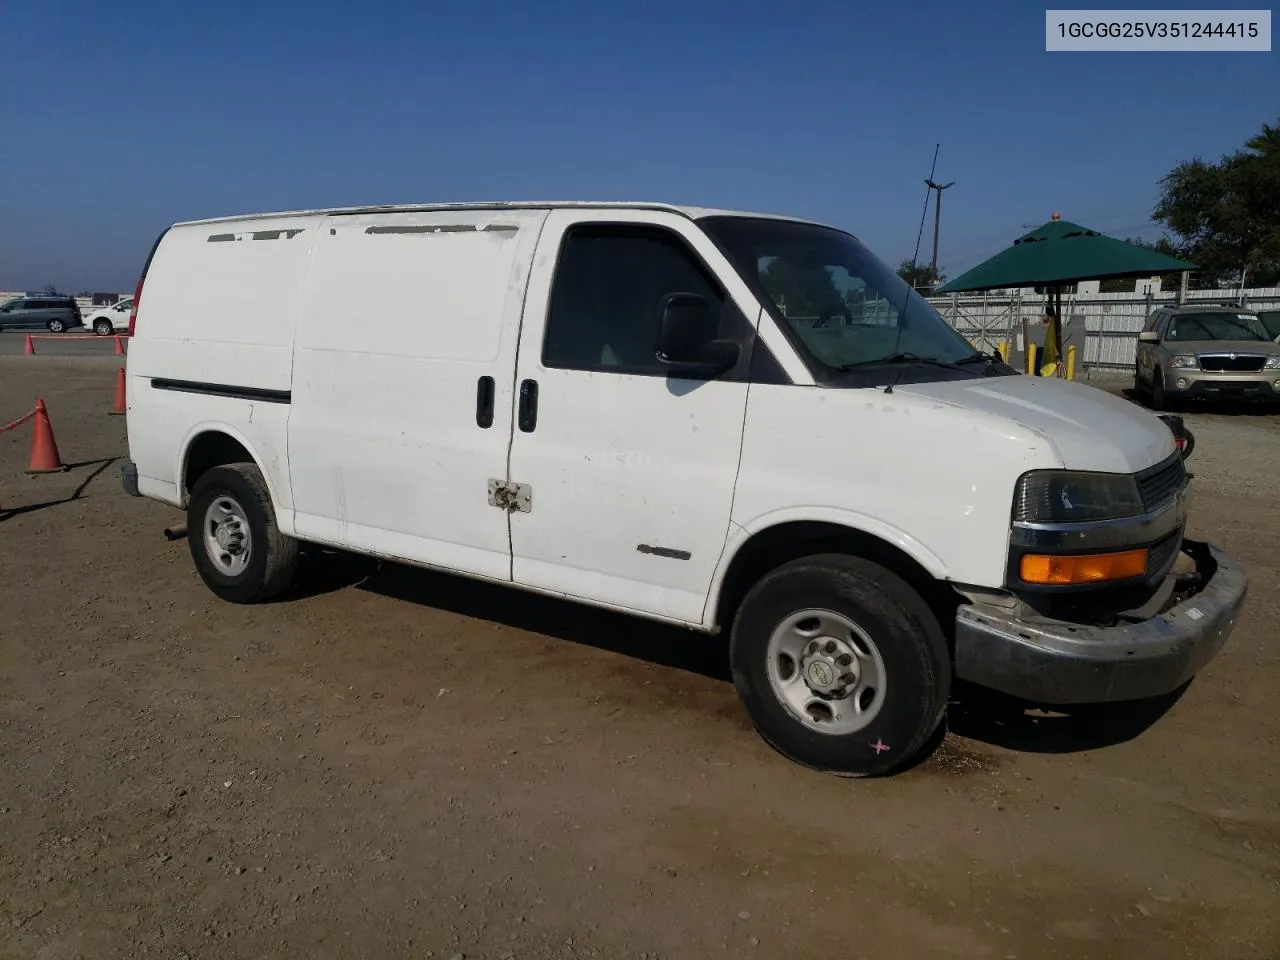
pixel 210 450
pixel 775 546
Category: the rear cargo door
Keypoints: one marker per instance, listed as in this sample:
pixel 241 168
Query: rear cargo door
pixel 403 384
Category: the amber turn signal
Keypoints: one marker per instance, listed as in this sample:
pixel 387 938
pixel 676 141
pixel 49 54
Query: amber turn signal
pixel 1083 568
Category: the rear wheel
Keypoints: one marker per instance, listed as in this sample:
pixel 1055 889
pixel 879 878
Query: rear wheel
pixel 56 326
pixel 841 665
pixel 103 328
pixel 235 542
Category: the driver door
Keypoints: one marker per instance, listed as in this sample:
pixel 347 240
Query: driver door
pixel 629 467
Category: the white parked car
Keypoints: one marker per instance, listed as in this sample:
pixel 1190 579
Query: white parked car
pixel 607 403
pixel 108 320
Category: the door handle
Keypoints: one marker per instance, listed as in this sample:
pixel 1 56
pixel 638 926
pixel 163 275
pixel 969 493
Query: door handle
pixel 527 415
pixel 484 402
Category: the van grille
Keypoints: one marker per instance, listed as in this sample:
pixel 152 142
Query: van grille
pixel 1160 556
pixel 1231 363
pixel 1158 484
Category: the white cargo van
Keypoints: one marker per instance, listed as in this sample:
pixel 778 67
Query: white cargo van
pixel 728 421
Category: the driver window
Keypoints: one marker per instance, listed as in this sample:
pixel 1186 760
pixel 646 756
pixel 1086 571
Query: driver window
pixel 606 303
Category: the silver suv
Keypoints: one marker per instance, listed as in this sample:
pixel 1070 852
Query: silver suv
pixel 53 313
pixel 1205 352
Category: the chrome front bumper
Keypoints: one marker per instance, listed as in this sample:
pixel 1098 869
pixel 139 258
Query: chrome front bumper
pixel 1060 663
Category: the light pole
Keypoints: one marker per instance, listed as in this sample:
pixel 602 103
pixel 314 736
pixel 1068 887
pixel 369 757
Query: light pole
pixel 937 220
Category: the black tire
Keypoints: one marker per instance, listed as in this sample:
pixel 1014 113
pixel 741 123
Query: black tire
pixel 57 326
pixel 1139 390
pixel 1188 442
pixel 273 557
pixel 103 328
pixel 905 632
pixel 1156 400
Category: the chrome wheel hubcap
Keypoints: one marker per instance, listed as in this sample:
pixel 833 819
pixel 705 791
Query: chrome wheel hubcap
pixel 826 671
pixel 226 536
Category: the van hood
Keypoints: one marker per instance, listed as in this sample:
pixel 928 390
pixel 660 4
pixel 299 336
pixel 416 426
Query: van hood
pixel 1089 428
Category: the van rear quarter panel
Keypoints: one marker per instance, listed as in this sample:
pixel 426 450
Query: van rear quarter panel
pixel 219 307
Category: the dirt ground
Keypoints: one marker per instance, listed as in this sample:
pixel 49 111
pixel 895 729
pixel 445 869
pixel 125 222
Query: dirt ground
pixel 398 764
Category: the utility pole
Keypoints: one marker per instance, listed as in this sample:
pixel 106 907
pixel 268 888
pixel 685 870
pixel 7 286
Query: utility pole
pixel 937 218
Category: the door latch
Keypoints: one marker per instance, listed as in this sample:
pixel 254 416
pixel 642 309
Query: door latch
pixel 510 496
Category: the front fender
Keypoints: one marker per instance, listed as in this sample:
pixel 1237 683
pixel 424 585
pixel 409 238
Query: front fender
pixel 741 534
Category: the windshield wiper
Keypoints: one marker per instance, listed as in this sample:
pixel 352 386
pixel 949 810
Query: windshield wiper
pixel 901 361
pixel 894 359
pixel 990 363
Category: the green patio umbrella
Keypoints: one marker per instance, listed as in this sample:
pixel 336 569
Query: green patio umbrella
pixel 1060 252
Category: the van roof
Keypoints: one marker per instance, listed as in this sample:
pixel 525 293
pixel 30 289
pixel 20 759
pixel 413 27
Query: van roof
pixel 693 213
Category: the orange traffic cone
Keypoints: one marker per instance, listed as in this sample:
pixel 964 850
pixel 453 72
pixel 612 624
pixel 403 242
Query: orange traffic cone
pixel 44 449
pixel 119 408
pixel 31 347
pixel 119 347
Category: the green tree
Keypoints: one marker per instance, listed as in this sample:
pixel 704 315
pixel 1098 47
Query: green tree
pixel 1226 215
pixel 920 276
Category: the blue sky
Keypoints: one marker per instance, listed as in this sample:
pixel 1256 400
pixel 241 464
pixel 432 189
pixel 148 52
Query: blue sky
pixel 121 118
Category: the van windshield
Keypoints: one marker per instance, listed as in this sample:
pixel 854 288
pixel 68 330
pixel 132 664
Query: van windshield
pixel 844 306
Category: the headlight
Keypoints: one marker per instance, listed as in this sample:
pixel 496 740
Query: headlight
pixel 1183 363
pixel 1064 496
pixel 1273 363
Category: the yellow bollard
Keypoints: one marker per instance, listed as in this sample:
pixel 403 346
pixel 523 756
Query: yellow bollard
pixel 1031 359
pixel 1071 362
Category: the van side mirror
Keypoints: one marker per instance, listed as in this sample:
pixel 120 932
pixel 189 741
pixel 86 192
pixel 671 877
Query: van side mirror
pixel 1149 336
pixel 687 338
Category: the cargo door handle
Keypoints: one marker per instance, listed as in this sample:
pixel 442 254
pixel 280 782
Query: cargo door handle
pixel 527 415
pixel 484 402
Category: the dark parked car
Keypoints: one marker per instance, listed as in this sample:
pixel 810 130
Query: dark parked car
pixel 55 314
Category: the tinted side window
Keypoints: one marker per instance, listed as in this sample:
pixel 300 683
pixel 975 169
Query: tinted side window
pixel 606 301
pixel 1152 320
pixel 41 304
pixel 1162 323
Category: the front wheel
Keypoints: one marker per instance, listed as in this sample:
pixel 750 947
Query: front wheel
pixel 56 326
pixel 103 328
pixel 235 542
pixel 1157 400
pixel 841 665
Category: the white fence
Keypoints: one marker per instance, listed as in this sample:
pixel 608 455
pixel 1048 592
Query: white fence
pixel 1112 320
